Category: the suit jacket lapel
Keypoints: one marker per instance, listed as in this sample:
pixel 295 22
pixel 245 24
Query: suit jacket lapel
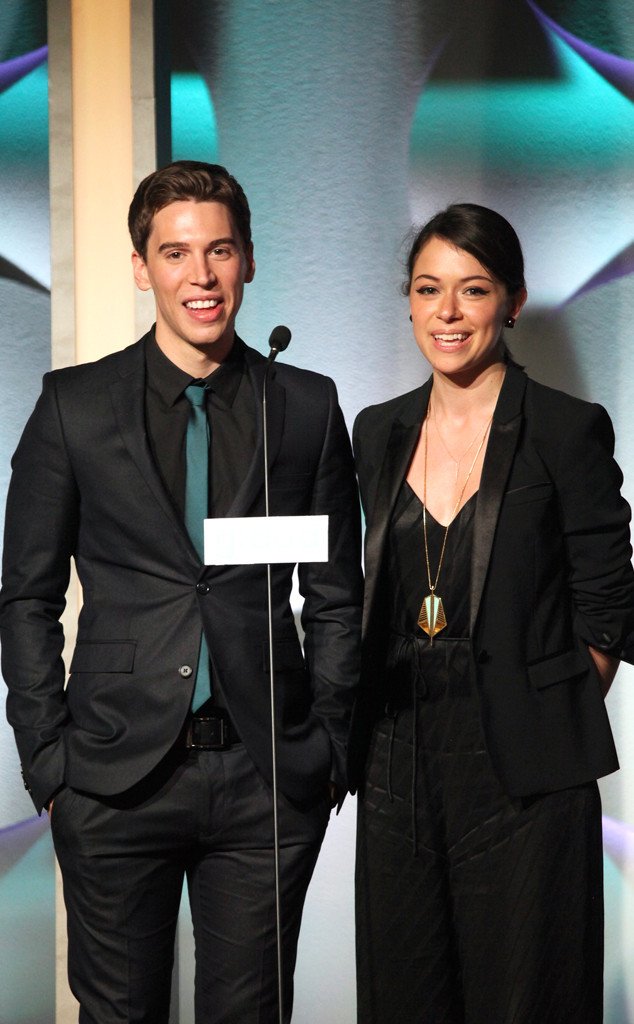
pixel 505 431
pixel 128 400
pixel 399 449
pixel 253 483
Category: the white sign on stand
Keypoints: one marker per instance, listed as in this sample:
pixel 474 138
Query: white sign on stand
pixel 266 540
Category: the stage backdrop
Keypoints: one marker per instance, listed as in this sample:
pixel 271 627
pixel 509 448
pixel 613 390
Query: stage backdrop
pixel 27 882
pixel 346 123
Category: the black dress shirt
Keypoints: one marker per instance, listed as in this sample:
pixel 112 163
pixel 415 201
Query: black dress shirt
pixel 231 412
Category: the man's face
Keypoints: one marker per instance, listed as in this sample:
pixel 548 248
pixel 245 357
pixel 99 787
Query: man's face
pixel 197 267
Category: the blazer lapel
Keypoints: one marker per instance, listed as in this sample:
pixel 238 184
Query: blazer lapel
pixel 253 483
pixel 401 443
pixel 128 400
pixel 505 431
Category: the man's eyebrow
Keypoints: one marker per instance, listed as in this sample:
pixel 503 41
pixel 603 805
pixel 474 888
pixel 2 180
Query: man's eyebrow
pixel 185 245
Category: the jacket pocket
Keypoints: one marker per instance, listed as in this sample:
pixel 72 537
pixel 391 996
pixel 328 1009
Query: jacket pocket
pixel 104 656
pixel 559 669
pixel 531 492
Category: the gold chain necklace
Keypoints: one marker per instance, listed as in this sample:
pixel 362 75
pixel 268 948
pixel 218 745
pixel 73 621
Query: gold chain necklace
pixel 473 440
pixel 431 617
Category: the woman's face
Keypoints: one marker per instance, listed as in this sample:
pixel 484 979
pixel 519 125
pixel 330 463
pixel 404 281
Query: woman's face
pixel 458 309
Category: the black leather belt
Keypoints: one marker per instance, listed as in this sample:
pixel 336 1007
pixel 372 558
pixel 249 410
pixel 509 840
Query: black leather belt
pixel 211 731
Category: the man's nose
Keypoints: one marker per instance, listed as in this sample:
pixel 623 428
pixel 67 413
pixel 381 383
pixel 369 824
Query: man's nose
pixel 202 270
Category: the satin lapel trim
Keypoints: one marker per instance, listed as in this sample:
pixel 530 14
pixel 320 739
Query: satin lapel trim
pixel 505 431
pixel 253 484
pixel 400 447
pixel 128 401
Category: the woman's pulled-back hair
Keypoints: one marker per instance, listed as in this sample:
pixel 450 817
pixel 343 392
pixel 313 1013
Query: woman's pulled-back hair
pixel 483 233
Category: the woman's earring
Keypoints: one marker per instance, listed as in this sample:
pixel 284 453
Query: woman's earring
pixel 410 319
pixel 510 322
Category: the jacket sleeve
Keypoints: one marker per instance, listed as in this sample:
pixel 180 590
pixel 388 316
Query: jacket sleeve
pixel 596 532
pixel 333 590
pixel 39 539
pixel 360 458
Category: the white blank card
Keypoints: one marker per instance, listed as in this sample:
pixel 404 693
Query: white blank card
pixel 260 539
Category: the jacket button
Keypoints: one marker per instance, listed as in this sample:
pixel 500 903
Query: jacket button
pixel 483 657
pixel 185 671
pixel 202 588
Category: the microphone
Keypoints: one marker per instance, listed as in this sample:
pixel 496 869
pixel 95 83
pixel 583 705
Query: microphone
pixel 279 340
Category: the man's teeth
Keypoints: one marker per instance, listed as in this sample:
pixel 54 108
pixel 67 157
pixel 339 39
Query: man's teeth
pixel 451 337
pixel 202 304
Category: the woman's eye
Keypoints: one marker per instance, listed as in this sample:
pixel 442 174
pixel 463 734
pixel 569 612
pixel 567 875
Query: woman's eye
pixel 474 290
pixel 427 289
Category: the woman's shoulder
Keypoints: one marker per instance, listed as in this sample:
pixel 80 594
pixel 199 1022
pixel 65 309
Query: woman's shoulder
pixel 549 402
pixel 562 426
pixel 382 414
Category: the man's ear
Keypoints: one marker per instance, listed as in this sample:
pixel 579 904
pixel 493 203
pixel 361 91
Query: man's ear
pixel 250 265
pixel 139 269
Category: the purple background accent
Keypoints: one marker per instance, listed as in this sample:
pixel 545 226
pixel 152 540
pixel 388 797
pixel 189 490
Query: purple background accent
pixel 618 71
pixel 618 843
pixel 620 266
pixel 11 71
pixel 17 839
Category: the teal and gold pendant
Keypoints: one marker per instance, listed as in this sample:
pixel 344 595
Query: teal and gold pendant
pixel 431 617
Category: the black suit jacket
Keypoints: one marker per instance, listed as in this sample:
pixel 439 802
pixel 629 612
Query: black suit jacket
pixel 550 575
pixel 85 485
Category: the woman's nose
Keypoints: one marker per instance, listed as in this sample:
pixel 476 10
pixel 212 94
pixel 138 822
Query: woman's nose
pixel 448 308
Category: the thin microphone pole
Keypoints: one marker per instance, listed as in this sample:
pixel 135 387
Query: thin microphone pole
pixel 278 341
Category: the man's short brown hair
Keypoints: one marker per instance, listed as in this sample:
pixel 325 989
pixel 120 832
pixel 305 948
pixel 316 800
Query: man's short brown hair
pixel 181 181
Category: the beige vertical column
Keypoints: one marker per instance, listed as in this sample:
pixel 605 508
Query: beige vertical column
pixel 103 175
pixel 143 126
pixel 62 337
pixel 101 140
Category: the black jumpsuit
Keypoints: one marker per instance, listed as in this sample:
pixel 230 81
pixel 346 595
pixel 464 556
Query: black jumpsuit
pixel 472 907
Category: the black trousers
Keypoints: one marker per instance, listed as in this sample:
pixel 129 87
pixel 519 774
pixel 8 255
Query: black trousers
pixel 207 816
pixel 472 907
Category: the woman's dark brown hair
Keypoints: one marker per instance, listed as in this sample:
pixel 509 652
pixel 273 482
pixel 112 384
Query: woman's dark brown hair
pixel 483 233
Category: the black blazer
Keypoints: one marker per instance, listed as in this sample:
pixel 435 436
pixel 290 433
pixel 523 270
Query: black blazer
pixel 85 485
pixel 550 574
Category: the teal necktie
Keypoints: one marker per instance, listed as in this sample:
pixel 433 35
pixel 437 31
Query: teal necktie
pixel 196 508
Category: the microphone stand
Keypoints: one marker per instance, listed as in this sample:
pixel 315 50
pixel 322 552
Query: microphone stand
pixel 279 339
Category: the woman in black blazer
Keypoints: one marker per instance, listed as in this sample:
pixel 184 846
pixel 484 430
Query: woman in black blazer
pixel 499 599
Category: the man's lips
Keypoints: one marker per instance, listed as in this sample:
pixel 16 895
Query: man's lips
pixel 202 303
pixel 205 311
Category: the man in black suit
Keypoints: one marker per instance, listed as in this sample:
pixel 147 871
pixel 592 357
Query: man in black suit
pixel 145 779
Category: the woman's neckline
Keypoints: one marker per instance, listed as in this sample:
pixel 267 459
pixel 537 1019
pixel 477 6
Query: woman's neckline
pixel 443 526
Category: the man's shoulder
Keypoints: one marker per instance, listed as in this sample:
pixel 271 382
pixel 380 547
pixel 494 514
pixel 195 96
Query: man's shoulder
pixel 287 374
pixel 100 371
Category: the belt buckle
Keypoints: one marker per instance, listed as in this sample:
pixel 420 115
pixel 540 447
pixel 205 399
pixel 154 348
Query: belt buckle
pixel 210 732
